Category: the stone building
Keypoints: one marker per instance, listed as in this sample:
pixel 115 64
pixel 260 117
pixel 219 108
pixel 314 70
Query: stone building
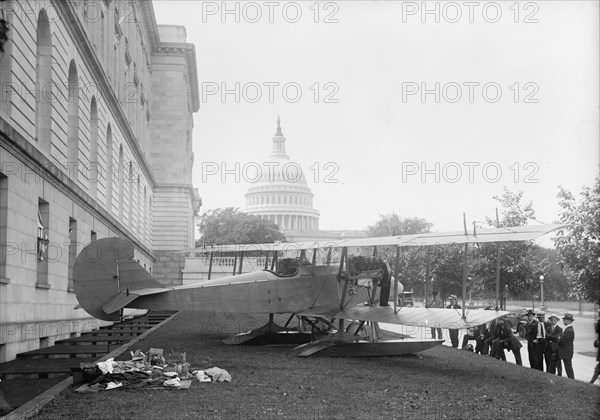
pixel 95 140
pixel 283 196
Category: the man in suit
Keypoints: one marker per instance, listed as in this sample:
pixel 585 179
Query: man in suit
pixel 489 337
pixel 551 352
pixel 565 345
pixel 453 332
pixel 505 339
pixel 436 302
pixel 597 345
pixel 531 333
pixel 539 344
pixel 477 334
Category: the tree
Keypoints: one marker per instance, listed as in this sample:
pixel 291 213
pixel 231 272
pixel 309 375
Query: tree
pixel 3 31
pixel 412 262
pixel 519 268
pixel 231 226
pixel 392 224
pixel 447 263
pixel 578 244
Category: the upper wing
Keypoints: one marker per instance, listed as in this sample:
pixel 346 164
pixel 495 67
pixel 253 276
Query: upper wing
pixel 502 234
pixel 420 317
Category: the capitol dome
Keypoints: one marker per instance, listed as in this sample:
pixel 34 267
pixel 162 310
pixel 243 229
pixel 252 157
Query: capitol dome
pixel 281 193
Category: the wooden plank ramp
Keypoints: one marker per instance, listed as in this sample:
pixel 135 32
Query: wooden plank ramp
pixel 33 374
pixel 69 350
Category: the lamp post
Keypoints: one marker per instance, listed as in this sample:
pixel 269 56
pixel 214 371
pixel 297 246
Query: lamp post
pixel 543 308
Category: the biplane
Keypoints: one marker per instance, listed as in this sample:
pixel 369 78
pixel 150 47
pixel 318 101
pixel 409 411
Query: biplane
pixel 342 305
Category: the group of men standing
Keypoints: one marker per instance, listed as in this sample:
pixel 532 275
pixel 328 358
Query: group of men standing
pixel 547 342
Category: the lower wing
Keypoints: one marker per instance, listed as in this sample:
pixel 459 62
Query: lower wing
pixel 420 317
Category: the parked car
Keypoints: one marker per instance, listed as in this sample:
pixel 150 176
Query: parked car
pixel 518 322
pixel 406 299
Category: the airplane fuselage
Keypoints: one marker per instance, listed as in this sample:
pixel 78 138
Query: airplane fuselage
pixel 257 292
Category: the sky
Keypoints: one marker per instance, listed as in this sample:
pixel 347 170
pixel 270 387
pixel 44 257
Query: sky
pixel 425 110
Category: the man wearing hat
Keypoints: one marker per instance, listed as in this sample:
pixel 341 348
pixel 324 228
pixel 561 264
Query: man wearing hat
pixel 453 332
pixel 505 339
pixel 531 333
pixel 436 302
pixel 551 352
pixel 565 345
pixel 539 344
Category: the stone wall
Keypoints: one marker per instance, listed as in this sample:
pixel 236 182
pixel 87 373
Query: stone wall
pixel 98 96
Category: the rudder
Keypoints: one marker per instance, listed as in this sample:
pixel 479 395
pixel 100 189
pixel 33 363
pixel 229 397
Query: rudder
pixel 105 268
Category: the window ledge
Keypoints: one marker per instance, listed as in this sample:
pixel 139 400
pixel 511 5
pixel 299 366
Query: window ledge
pixel 70 290
pixel 4 280
pixel 42 286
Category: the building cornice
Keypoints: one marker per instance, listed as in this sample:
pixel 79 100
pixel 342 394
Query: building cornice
pixel 77 33
pixel 188 188
pixel 189 52
pixel 43 167
pixel 159 47
pixel 150 24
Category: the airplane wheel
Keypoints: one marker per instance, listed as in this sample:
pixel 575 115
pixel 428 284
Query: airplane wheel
pixel 356 329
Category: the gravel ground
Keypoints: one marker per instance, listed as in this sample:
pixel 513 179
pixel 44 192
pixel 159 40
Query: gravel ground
pixel 269 383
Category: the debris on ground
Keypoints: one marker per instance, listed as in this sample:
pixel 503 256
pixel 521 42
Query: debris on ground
pixel 151 371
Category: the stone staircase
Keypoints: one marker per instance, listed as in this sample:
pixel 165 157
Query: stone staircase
pixel 33 372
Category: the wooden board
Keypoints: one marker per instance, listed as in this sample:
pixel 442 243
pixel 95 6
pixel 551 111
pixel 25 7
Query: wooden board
pixel 68 349
pixel 114 333
pixel 95 339
pixel 42 366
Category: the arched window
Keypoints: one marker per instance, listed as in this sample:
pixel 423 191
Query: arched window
pixel 43 83
pixel 86 11
pixel 109 168
pixel 6 60
pixel 102 43
pixel 73 121
pixel 93 171
pixel 121 182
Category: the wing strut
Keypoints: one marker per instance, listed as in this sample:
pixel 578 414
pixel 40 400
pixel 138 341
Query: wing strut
pixel 396 279
pixel 210 264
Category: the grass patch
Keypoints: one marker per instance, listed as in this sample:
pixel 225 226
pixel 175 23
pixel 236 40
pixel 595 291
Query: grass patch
pixel 269 383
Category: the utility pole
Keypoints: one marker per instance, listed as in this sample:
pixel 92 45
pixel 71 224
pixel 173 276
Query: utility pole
pixel 498 256
pixel 465 269
pixel 427 276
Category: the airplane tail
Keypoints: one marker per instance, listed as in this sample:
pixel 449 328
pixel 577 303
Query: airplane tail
pixel 105 273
